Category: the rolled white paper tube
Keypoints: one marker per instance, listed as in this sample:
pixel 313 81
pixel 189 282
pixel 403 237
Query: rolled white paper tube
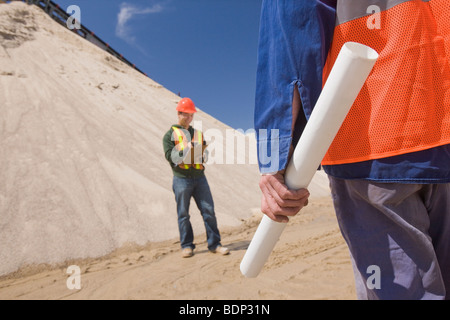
pixel 350 71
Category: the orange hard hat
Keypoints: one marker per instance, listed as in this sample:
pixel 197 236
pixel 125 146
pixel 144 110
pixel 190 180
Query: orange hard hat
pixel 186 105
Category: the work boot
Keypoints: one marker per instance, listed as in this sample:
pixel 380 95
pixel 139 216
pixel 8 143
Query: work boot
pixel 222 250
pixel 187 252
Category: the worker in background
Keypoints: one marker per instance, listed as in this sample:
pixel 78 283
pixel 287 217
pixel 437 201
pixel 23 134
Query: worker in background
pixel 389 165
pixel 184 149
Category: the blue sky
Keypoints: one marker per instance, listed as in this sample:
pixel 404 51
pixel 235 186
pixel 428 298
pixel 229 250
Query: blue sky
pixel 202 49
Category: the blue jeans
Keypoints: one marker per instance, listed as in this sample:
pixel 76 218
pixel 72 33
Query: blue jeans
pixel 197 187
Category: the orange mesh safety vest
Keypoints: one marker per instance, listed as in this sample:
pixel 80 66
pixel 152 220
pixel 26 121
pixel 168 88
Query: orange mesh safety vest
pixel 181 142
pixel 405 104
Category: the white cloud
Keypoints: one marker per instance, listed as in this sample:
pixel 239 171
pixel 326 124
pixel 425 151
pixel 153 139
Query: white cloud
pixel 126 13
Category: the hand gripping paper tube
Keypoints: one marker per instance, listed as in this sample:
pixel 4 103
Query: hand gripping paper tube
pixel 350 71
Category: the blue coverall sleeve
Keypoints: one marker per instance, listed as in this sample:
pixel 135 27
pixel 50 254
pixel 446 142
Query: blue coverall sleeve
pixel 295 36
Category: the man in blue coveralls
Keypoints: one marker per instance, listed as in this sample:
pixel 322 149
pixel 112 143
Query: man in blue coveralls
pixel 389 166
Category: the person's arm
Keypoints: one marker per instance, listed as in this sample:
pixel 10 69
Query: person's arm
pixel 294 40
pixel 278 202
pixel 168 146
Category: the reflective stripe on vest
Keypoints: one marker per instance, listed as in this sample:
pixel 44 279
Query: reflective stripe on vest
pixel 405 104
pixel 198 138
pixel 181 142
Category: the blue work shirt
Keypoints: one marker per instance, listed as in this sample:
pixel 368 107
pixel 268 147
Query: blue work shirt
pixel 295 37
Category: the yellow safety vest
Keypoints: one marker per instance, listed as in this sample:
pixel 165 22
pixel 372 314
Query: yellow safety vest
pixel 181 142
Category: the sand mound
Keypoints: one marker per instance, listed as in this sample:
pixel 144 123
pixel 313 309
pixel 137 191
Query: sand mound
pixel 82 168
pixel 17 27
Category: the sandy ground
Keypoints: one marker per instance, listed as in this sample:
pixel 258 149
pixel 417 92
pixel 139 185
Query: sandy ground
pixel 310 261
pixel 83 181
